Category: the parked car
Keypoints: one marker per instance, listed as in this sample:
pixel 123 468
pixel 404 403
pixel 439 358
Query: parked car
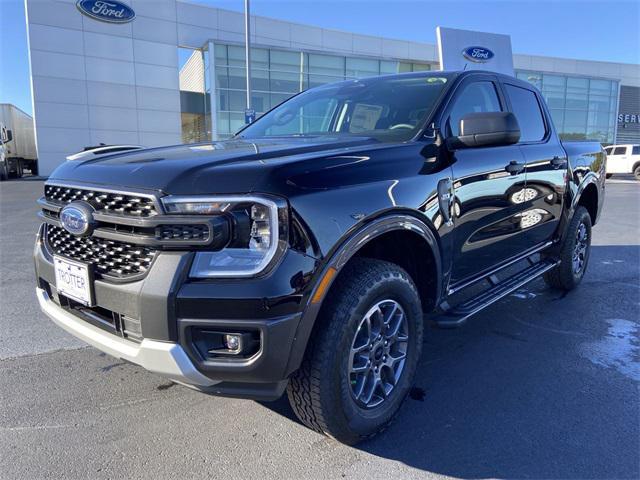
pixel 623 159
pixel 17 143
pixel 307 253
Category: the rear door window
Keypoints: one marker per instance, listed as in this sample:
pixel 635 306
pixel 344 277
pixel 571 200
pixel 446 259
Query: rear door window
pixel 636 150
pixel 527 111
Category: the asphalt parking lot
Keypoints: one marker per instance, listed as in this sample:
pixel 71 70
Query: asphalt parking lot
pixel 540 385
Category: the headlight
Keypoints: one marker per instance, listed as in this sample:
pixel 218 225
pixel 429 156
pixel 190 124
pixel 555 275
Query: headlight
pixel 257 233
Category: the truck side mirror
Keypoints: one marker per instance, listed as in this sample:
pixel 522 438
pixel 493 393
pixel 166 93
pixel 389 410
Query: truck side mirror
pixel 486 129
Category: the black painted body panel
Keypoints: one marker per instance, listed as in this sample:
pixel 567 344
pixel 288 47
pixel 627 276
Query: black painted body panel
pixel 336 187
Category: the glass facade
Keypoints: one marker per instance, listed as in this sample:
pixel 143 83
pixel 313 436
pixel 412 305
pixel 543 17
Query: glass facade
pixel 582 108
pixel 276 75
pixel 194 99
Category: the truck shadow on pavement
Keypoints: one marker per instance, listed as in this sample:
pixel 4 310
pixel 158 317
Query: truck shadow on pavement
pixel 541 385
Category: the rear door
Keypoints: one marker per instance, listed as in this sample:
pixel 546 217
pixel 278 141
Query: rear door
pixel 542 199
pixel 486 219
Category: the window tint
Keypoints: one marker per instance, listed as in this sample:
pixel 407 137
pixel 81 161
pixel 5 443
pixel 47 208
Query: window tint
pixel 636 150
pixel 527 110
pixel 478 97
pixel 620 151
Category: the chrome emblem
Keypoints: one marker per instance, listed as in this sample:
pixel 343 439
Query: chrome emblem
pixel 77 219
pixel 111 11
pixel 477 54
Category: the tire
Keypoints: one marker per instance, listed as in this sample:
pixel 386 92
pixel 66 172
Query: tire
pixel 574 255
pixel 636 172
pixel 609 175
pixel 322 392
pixel 18 172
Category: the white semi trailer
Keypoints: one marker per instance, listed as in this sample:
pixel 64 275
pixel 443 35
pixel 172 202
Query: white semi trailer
pixel 17 143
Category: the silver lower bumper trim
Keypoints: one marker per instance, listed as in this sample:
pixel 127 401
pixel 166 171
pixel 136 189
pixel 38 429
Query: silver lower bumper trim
pixel 165 358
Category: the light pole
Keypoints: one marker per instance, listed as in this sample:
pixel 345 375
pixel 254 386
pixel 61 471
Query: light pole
pixel 249 113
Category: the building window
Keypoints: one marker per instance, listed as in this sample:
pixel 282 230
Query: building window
pixel 581 108
pixel 194 91
pixel 276 75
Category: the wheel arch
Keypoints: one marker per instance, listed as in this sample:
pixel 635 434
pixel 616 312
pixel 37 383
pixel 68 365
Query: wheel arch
pixel 588 197
pixel 357 243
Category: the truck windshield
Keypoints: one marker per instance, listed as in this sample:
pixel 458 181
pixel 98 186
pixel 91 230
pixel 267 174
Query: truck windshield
pixel 390 108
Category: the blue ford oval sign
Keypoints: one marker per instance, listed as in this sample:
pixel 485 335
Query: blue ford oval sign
pixel 110 11
pixel 477 54
pixel 77 218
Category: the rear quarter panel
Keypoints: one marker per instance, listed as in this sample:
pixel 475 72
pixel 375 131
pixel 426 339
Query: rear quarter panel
pixel 587 166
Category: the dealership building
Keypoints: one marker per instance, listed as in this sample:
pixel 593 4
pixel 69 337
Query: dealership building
pixel 159 72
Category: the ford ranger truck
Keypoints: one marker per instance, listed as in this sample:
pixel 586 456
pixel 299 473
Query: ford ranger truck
pixel 309 253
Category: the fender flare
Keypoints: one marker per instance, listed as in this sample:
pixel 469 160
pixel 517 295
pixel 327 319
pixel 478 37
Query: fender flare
pixel 347 248
pixel 590 179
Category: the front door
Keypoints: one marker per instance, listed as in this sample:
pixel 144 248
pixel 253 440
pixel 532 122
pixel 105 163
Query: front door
pixel 486 180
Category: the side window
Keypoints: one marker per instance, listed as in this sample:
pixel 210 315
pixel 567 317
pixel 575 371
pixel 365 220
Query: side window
pixel 608 150
pixel 620 151
pixel 475 98
pixel 636 150
pixel 527 110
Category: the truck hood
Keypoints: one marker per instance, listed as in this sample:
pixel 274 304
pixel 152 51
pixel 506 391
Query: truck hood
pixel 234 166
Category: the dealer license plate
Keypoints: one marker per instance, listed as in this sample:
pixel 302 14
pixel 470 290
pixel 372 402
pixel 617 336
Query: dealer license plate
pixel 74 280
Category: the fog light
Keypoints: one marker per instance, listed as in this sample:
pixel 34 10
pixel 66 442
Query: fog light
pixel 233 342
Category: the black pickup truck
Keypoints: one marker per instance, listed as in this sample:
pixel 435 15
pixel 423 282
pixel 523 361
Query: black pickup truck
pixel 310 252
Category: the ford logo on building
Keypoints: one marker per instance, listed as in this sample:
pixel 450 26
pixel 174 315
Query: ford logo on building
pixel 110 11
pixel 77 218
pixel 477 54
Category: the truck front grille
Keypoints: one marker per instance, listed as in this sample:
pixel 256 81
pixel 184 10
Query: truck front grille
pixel 110 258
pixel 103 201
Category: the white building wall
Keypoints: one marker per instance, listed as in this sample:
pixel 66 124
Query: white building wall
pixel 96 82
pixel 192 74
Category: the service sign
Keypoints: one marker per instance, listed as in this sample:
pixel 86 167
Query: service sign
pixel 110 11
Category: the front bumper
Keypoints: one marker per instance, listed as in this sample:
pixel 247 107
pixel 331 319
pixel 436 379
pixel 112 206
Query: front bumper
pixel 169 308
pixel 165 358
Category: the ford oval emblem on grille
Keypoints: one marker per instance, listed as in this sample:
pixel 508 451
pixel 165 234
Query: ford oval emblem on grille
pixel 110 11
pixel 478 54
pixel 77 218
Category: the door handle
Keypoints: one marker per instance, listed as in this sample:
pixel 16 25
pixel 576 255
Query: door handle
pixel 557 162
pixel 514 167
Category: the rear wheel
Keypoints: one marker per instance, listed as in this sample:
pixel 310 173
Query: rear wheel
pixel 574 255
pixel 360 363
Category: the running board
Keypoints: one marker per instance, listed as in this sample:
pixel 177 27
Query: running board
pixel 460 313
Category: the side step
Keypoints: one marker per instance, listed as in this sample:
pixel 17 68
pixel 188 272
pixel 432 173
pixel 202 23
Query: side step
pixel 460 313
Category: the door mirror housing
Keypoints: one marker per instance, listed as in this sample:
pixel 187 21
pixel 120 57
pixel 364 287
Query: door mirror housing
pixel 486 129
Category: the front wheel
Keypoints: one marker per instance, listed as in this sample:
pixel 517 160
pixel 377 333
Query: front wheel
pixel 636 172
pixel 574 255
pixel 360 363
